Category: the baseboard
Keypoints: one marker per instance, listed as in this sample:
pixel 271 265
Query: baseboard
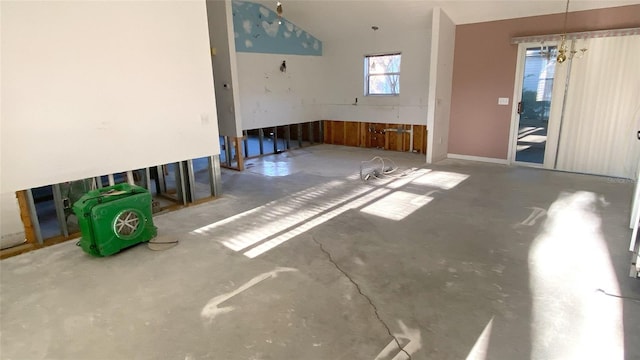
pixel 478 158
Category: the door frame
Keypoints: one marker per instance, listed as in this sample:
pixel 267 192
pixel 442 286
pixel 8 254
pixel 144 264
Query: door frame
pixel 553 125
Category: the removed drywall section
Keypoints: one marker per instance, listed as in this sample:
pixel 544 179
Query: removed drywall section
pixel 223 52
pixel 259 30
pixel 93 88
pixel 345 75
pixel 484 70
pixel 395 137
pixel 441 70
pixel 273 97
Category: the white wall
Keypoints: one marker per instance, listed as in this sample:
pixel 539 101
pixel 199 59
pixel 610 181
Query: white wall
pixel 11 227
pixel 271 97
pixel 325 87
pixel 345 76
pixel 225 68
pixel 441 70
pixel 91 88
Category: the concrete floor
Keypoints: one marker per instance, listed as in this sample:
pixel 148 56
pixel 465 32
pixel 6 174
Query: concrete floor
pixel 301 260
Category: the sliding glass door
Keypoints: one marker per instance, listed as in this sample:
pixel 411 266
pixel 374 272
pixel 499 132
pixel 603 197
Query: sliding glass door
pixel 579 115
pixel 535 87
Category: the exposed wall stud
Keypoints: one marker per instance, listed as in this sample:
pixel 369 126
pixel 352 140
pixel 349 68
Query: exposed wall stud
pixel 181 186
pixel 287 137
pixel 261 140
pixel 215 178
pixel 190 185
pixel 245 140
pixel 238 148
pixel 27 217
pixel 35 222
pixel 275 139
pixel 57 203
pixel 227 150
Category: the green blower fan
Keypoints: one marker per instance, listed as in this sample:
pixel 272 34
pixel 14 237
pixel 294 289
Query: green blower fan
pixel 113 218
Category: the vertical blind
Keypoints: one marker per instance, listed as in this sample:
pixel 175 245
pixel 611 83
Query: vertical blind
pixel 601 111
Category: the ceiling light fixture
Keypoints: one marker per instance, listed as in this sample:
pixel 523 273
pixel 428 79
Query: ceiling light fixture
pixel 563 52
pixel 279 11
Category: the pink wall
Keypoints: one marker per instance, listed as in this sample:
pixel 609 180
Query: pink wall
pixel 484 69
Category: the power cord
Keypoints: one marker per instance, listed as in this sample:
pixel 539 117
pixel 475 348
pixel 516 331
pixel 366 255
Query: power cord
pixel 619 296
pixel 163 242
pixel 157 244
pixel 383 170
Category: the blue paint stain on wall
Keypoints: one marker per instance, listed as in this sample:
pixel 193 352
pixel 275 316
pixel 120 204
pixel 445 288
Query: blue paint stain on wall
pixel 258 30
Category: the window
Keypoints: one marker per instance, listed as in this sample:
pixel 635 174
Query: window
pixel 382 74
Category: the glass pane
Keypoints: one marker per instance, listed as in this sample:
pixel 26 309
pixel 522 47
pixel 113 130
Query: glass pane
pixel 294 140
pixel 71 192
pixel 201 181
pixel 140 177
pixel 223 154
pixel 104 180
pixel 171 179
pixel 253 142
pixel 384 64
pixel 281 136
pixel 384 84
pixel 268 140
pixel 119 178
pixel 46 211
pixel 537 85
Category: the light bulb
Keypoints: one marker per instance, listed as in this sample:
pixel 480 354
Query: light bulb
pixel 562 57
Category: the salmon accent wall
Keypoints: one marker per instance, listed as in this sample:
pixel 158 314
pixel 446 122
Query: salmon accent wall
pixel 484 69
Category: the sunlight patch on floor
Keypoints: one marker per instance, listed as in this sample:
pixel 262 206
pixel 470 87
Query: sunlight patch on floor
pixel 441 179
pixel 311 223
pixel 404 180
pixel 480 349
pixel 568 263
pixel 252 226
pixel 397 206
pixel 263 228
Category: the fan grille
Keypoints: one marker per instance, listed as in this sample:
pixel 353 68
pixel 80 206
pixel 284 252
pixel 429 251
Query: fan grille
pixel 127 224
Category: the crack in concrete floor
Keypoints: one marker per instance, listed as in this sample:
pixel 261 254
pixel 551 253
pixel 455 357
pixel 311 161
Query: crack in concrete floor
pixel 357 286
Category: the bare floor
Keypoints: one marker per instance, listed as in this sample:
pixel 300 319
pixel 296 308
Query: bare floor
pixel 300 259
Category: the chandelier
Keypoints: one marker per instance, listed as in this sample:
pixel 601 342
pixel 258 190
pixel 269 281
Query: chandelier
pixel 279 12
pixel 564 52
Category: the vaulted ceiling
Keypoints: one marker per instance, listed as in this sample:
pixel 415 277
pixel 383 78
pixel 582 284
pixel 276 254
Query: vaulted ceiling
pixel 331 20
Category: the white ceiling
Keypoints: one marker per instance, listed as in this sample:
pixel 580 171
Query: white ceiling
pixel 334 19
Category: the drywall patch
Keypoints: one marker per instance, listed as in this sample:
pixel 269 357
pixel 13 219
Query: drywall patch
pixel 259 30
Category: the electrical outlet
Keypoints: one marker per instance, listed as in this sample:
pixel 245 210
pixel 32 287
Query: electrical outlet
pixel 503 101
